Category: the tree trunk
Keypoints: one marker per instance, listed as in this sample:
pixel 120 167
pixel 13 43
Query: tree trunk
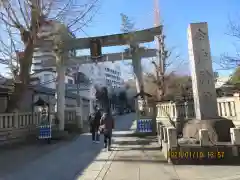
pixel 161 88
pixel 29 38
pixel 16 97
pixel 21 87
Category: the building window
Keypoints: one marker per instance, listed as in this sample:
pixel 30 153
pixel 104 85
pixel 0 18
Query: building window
pixel 70 81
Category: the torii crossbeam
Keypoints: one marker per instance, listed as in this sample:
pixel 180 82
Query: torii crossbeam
pixel 132 38
pixel 110 57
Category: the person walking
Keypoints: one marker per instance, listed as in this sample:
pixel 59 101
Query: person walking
pixel 106 127
pixel 95 123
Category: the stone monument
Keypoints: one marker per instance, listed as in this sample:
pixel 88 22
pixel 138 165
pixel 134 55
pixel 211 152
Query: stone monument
pixel 205 99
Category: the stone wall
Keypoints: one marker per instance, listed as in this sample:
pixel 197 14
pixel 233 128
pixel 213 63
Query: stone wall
pixel 190 151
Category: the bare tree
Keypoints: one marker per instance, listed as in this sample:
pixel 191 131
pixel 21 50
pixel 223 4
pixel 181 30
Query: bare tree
pixel 228 61
pixel 127 25
pixel 21 25
pixel 162 65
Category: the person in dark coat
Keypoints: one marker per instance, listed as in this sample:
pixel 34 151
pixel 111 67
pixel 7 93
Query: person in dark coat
pixel 107 125
pixel 95 123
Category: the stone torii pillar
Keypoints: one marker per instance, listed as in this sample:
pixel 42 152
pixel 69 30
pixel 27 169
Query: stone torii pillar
pixel 137 70
pixel 60 88
pixel 137 66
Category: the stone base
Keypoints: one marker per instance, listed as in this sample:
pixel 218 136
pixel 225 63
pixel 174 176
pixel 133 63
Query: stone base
pixel 219 129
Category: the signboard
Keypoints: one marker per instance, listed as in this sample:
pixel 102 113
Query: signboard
pixel 45 131
pixel 144 125
pixel 95 48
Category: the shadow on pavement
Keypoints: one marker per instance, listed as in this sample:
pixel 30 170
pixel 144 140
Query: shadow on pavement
pixel 54 161
pixel 17 155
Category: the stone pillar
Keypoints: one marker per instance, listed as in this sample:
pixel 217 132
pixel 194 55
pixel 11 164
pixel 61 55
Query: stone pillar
pixel 92 98
pixel 204 137
pixel 237 105
pixel 235 140
pixel 137 67
pixel 165 139
pixel 60 90
pixel 203 86
pixel 172 137
pixel 235 136
pixel 79 116
pixel 79 107
pixel 161 133
pixel 16 120
pixel 91 106
pixel 137 70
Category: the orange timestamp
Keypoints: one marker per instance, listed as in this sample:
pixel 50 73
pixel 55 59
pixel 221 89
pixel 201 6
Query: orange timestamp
pixel 196 155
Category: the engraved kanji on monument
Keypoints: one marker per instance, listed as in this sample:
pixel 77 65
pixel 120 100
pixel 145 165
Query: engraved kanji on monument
pixel 201 71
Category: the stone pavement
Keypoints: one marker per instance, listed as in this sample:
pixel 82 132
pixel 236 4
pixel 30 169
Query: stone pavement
pixel 135 158
pixel 141 159
pixel 60 161
pixel 131 158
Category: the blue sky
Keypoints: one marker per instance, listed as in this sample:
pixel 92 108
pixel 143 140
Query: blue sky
pixel 176 16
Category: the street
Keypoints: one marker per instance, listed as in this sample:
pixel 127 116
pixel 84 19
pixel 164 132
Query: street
pixel 132 158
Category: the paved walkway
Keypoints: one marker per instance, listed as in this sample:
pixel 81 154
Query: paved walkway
pixel 132 159
pixel 141 159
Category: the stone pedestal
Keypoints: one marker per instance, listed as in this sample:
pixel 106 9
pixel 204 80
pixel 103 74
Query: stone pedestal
pixel 218 129
pixel 205 99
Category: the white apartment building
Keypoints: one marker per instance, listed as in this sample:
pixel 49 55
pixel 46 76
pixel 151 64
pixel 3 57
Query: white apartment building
pixel 104 74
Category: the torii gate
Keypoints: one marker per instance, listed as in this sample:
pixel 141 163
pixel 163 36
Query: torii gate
pixel 132 38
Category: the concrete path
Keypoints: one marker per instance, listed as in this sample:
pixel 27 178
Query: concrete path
pixel 132 158
pixel 61 161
